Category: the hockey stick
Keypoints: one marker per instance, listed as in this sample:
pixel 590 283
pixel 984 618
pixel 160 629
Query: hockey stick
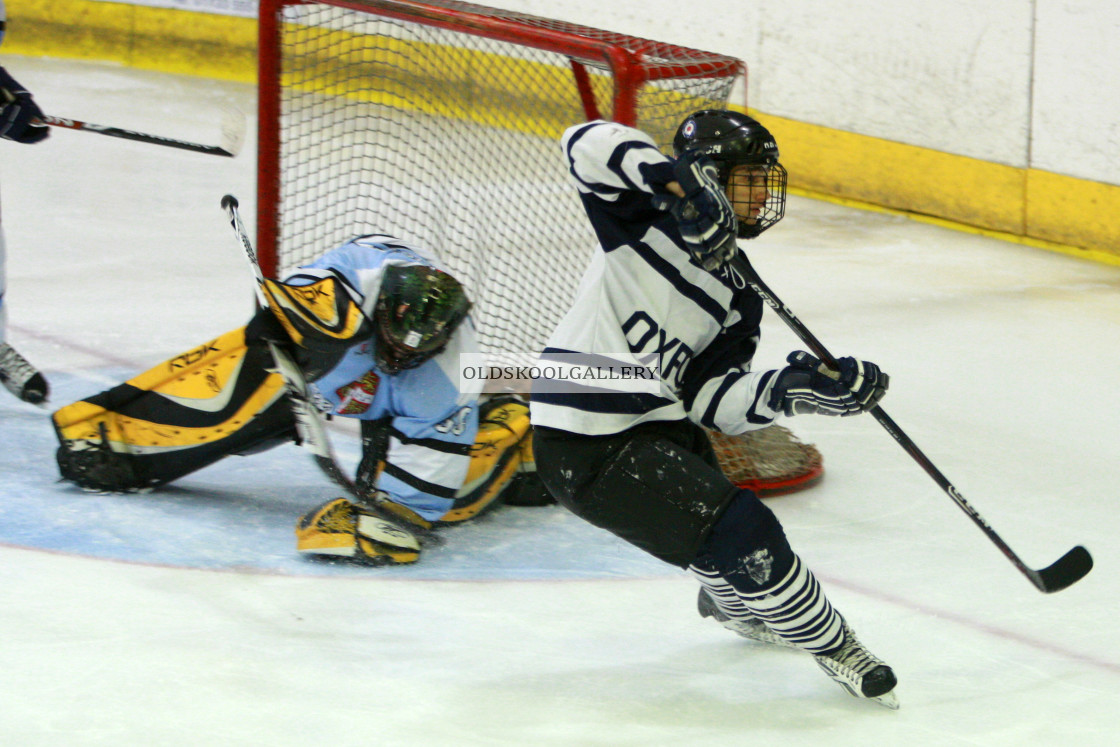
pixel 309 425
pixel 1065 571
pixel 233 134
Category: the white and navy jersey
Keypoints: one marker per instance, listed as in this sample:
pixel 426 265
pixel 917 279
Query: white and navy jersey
pixel 432 425
pixel 643 294
pixel 3 21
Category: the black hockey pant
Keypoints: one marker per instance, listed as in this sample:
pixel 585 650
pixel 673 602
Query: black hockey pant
pixel 659 486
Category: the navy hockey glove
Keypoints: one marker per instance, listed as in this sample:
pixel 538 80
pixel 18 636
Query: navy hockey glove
pixel 807 386
pixel 17 110
pixel 704 215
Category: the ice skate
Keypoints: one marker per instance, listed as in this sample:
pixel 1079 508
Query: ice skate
pixel 20 377
pixel 748 627
pixel 859 672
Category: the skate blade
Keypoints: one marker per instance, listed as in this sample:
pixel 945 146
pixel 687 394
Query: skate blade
pixel 887 700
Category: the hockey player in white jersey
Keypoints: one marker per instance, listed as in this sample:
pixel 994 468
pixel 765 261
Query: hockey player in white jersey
pixel 638 463
pixel 19 123
pixel 377 327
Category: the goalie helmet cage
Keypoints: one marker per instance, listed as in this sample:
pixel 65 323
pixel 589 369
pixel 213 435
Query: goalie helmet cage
pixel 438 122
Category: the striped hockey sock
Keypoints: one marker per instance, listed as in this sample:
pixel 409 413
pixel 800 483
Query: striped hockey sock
pixel 794 612
pixel 718 600
pixel 722 593
pixel 795 608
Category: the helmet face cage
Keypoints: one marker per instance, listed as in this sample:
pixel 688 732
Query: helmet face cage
pixel 418 309
pixel 732 139
pixel 774 179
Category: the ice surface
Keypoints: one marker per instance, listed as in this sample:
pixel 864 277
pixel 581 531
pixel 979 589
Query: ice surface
pixel 184 617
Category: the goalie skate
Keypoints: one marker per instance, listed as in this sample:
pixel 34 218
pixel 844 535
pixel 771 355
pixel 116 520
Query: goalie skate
pixel 20 377
pixel 860 672
pixel 749 627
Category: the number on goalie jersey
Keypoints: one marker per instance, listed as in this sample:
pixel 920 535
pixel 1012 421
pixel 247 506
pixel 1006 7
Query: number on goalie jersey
pixel 638 463
pixel 425 458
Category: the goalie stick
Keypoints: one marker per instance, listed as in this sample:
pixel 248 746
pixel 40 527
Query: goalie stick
pixel 1065 571
pixel 233 134
pixel 309 424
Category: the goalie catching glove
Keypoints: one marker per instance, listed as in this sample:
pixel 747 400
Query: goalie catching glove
pixel 704 215
pixel 807 386
pixel 344 529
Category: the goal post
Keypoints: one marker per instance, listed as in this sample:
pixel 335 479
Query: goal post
pixel 439 122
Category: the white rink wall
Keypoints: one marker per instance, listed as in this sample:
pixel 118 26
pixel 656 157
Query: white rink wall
pixel 1024 83
pixel 998 115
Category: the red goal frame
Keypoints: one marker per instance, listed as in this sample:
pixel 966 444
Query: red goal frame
pixel 632 61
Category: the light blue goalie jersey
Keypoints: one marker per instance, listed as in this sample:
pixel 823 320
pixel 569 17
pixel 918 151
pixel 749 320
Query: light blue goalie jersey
pixel 432 424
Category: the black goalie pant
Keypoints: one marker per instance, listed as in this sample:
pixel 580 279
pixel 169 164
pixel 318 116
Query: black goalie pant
pixel 659 486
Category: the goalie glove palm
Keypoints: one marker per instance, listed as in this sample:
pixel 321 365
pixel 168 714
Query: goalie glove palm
pixel 344 529
pixel 704 215
pixel 807 386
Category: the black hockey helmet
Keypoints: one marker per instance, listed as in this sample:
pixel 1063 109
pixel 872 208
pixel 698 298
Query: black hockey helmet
pixel 732 139
pixel 418 309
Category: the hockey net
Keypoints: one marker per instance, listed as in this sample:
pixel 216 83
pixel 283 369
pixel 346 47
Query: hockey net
pixel 438 122
pixel 769 461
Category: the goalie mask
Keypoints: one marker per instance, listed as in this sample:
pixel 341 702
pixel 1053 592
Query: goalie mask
pixel 747 157
pixel 418 309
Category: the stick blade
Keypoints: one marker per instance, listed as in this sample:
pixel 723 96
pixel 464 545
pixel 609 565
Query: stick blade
pixel 233 129
pixel 1065 571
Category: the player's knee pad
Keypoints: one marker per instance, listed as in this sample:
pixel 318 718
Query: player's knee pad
pixel 747 545
pixel 210 402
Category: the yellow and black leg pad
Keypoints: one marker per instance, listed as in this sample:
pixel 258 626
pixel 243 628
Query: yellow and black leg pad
pixel 215 400
pixel 499 458
pixel 339 528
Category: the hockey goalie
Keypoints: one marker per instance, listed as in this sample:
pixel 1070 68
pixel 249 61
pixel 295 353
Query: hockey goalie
pixel 377 327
